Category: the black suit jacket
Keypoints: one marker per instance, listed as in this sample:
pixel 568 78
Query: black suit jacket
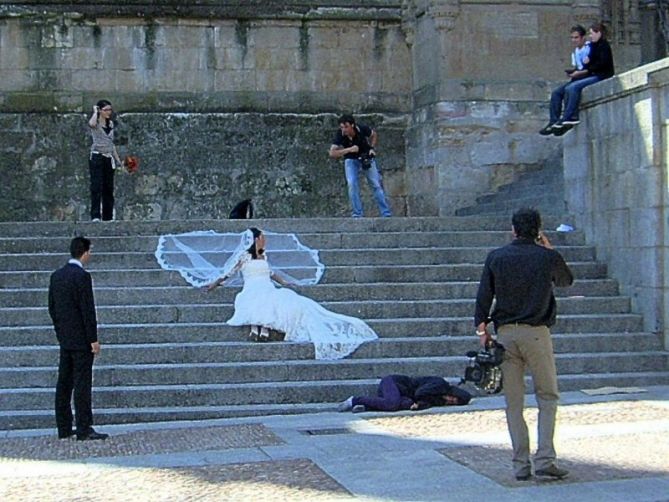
pixel 72 307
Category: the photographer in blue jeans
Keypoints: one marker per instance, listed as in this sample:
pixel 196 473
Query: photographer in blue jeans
pixel 356 142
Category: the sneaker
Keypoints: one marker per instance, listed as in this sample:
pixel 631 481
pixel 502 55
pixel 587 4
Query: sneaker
pixel 96 219
pixel 562 129
pixel 548 129
pixel 358 408
pixel 346 405
pixel 523 477
pixel 552 471
pixel 571 122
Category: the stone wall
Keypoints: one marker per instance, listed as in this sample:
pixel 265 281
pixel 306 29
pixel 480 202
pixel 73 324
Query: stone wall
pixel 482 80
pixel 615 164
pixel 192 165
pixel 456 88
pixel 220 100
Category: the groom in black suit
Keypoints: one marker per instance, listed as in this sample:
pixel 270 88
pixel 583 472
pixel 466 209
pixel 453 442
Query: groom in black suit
pixel 72 310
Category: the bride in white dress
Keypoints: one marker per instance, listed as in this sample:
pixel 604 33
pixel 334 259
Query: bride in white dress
pixel 261 303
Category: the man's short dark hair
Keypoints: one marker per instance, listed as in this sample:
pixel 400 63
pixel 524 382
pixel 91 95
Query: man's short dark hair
pixel 347 118
pixel 79 246
pixel 577 28
pixel 526 223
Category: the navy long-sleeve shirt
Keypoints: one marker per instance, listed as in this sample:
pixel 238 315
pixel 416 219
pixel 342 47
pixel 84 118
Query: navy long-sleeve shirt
pixel 521 276
pixel 601 59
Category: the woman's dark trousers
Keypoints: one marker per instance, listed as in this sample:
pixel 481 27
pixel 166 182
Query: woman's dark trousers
pixel 102 187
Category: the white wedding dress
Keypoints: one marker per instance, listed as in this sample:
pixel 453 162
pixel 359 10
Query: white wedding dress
pixel 261 303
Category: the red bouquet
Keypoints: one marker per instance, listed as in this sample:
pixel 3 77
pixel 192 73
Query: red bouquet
pixel 131 163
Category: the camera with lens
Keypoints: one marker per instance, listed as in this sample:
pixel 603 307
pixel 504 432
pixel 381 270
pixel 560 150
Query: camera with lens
pixel 366 159
pixel 484 368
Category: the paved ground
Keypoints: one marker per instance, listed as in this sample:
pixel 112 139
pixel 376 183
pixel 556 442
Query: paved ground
pixel 617 448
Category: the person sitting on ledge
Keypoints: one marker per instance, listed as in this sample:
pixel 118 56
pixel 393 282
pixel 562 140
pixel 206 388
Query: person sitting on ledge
pixel 592 63
pixel 401 392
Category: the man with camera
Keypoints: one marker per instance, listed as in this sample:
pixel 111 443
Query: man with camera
pixel 520 278
pixel 356 143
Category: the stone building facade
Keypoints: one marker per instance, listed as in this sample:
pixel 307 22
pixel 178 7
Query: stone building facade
pixel 224 100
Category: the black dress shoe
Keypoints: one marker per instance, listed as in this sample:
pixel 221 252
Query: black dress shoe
pixel 92 436
pixel 523 477
pixel 65 435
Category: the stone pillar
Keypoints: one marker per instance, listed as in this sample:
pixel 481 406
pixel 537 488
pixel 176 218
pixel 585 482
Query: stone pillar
pixel 653 43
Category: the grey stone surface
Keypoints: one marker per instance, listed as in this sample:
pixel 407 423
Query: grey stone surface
pixel 614 165
pixel 191 166
pixel 402 456
pixel 164 343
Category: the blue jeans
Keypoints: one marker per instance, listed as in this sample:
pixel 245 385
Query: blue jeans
pixel 570 93
pixel 352 167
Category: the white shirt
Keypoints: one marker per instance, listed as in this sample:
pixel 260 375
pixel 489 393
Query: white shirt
pixel 579 54
pixel 74 261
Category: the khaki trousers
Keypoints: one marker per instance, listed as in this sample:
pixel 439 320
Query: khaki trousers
pixel 529 347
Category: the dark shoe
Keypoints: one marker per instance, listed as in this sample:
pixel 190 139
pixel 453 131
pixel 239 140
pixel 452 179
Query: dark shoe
pixel 562 129
pixel 523 477
pixel 358 408
pixel 552 471
pixel 571 122
pixel 547 130
pixel 65 435
pixel 92 436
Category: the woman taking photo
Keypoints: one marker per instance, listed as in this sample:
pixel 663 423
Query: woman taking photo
pixel 102 161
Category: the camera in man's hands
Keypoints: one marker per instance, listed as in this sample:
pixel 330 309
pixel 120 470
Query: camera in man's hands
pixel 484 368
pixel 366 160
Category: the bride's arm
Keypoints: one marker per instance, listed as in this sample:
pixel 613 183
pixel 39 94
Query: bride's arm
pixel 277 278
pixel 224 278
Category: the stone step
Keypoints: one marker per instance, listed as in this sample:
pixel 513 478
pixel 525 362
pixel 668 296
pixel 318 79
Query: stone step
pixel 544 183
pixel 36 297
pixel 553 205
pixel 332 275
pixel 370 309
pixel 296 387
pixel 550 195
pixel 343 257
pixel 41 355
pixel 303 225
pixel 387 328
pixel 43 418
pixel 185 374
pixel 409 239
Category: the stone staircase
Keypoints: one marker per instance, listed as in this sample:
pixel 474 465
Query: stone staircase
pixel 542 189
pixel 168 356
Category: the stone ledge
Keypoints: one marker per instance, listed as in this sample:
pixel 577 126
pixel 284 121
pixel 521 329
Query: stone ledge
pixel 244 9
pixel 210 102
pixel 629 82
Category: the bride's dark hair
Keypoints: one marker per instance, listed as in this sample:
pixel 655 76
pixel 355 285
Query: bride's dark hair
pixel 252 250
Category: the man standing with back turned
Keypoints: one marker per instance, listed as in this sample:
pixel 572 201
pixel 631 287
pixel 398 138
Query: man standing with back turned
pixel 72 310
pixel 520 277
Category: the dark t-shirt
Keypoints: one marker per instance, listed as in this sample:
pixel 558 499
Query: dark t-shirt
pixel 361 139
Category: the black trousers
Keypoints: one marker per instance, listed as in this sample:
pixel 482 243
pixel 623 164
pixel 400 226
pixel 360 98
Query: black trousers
pixel 75 378
pixel 102 186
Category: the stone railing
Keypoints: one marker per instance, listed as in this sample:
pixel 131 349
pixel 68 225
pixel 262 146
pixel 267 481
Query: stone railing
pixel 615 169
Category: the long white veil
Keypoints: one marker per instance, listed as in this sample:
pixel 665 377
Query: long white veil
pixel 203 256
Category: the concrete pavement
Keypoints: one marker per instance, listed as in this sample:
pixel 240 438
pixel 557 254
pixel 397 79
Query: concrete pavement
pixel 616 447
